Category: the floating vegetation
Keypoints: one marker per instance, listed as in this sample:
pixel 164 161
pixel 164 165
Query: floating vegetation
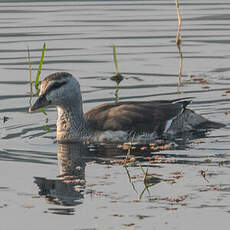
pixel 36 83
pixel 178 43
pixel 225 93
pixel 198 80
pixel 118 76
pixel 204 174
pixel 128 159
pixel 227 112
pixel 151 147
pixel 4 119
pixel 129 225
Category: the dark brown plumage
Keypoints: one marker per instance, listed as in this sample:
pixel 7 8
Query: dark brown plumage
pixel 135 116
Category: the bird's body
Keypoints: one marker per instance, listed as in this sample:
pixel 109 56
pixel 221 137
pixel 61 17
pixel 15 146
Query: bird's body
pixel 114 121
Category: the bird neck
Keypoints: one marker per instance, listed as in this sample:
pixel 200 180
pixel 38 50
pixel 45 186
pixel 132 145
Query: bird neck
pixel 71 124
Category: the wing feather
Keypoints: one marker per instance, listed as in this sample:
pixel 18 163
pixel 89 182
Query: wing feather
pixel 133 116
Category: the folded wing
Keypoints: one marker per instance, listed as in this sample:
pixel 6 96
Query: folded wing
pixel 134 116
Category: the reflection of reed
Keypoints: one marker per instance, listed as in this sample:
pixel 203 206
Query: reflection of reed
pixel 178 42
pixel 116 92
pixel 117 77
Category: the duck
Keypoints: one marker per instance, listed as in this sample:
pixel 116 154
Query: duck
pixel 114 121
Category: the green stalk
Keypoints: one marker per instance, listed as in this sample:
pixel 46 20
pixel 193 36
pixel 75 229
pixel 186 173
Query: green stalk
pixel 117 77
pixel 115 61
pixel 39 69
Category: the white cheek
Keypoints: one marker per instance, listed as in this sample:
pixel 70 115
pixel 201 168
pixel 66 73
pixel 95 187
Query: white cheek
pixel 42 90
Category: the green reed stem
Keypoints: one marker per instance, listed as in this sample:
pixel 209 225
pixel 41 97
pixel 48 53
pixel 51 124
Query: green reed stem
pixel 39 69
pixel 37 82
pixel 117 77
pixel 115 60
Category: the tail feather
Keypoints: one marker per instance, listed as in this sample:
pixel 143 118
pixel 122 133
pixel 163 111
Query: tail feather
pixel 188 120
pixel 210 125
pixel 198 121
pixel 184 103
pixel 182 99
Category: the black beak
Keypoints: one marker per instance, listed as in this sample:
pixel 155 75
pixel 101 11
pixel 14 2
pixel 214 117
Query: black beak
pixel 39 103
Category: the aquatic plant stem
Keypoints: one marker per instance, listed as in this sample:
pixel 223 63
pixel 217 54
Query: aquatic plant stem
pixel 178 43
pixel 39 69
pixel 37 82
pixel 118 77
pixel 31 77
pixel 115 60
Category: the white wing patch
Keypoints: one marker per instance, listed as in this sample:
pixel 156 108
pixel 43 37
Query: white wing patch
pixel 169 122
pixel 168 125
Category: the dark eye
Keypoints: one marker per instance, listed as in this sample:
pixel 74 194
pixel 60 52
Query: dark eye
pixel 57 85
pixel 54 86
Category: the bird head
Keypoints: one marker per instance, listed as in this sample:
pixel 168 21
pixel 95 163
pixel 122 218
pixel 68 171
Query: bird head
pixel 57 89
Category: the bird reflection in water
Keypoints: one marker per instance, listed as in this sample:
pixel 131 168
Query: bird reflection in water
pixel 68 188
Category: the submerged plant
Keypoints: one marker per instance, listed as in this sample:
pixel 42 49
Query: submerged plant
pixel 118 76
pixel 36 83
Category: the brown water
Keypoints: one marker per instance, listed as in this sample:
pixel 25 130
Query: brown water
pixel 37 191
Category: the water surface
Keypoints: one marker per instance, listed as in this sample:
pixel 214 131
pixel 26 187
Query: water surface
pixel 38 191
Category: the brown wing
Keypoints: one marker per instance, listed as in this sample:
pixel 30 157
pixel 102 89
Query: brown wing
pixel 133 116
